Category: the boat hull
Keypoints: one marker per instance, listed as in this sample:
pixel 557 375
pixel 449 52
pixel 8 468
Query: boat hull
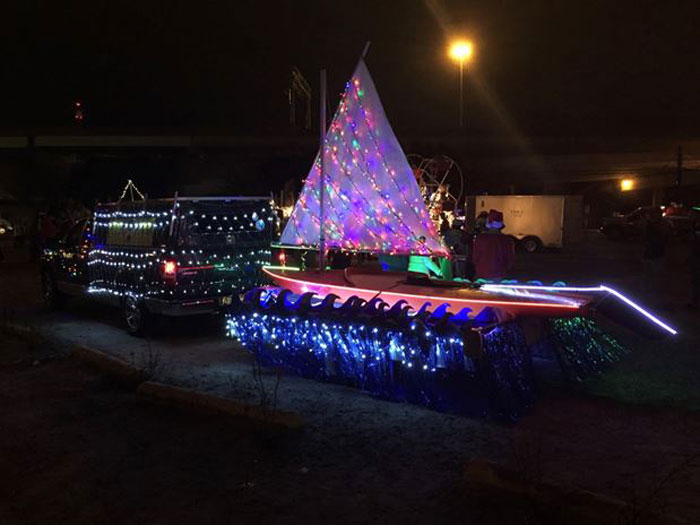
pixel 393 287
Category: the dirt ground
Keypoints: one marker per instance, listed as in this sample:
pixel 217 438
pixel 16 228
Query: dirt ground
pixel 76 447
pixel 79 448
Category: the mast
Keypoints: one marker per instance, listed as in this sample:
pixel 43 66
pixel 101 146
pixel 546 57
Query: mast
pixel 322 150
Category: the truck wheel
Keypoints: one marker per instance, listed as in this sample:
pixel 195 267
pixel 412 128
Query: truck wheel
pixel 136 316
pixel 530 244
pixel 52 297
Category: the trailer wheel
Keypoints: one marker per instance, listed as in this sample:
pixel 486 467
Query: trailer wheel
pixel 531 244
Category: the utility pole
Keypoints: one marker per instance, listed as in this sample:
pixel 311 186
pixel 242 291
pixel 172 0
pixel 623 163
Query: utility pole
pixel 679 166
pixel 461 95
pixel 299 87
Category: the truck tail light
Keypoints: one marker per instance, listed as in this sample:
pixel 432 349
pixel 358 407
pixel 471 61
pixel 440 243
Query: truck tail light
pixel 169 270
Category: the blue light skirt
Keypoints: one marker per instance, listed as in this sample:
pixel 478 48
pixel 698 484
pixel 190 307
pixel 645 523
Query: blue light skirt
pixel 469 366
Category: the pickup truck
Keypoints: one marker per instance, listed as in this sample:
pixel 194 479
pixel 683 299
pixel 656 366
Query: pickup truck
pixel 170 257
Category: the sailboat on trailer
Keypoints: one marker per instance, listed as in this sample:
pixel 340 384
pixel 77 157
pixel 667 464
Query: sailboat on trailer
pixel 361 195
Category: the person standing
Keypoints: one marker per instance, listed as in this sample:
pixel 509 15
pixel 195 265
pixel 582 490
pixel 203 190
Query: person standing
pixel 494 252
pixel 455 239
pixel 656 237
pixel 480 222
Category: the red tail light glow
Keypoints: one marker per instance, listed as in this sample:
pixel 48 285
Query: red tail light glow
pixel 169 267
pixel 169 270
pixel 282 258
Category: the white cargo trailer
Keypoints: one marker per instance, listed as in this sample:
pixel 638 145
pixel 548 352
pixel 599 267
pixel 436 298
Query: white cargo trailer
pixel 536 220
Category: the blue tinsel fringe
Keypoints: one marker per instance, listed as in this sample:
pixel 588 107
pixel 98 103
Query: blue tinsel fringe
pixel 466 367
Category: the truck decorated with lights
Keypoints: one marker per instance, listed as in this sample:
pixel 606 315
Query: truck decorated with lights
pixel 170 257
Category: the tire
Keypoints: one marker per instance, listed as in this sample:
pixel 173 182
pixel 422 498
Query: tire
pixel 530 244
pixel 52 297
pixel 136 316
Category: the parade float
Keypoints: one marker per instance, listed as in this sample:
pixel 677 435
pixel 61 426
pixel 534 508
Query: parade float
pixel 474 348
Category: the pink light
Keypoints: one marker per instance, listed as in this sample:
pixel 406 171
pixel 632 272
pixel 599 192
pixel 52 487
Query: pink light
pixel 310 286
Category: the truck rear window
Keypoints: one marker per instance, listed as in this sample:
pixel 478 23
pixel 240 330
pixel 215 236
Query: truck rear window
pixel 225 228
pixel 132 232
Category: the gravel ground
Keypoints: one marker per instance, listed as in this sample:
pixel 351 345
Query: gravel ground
pixel 365 458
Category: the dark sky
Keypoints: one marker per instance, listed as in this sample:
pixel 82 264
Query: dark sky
pixel 543 67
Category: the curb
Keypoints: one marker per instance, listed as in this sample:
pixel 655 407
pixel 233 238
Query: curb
pixel 112 365
pixel 188 398
pixel 185 397
pixel 487 475
pixel 22 330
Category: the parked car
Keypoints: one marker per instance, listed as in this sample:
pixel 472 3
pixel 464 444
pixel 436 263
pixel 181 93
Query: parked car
pixel 169 257
pixel 628 226
pixel 5 227
pixel 681 218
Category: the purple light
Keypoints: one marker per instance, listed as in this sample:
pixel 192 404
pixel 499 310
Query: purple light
pixel 584 289
pixel 364 161
pixel 641 310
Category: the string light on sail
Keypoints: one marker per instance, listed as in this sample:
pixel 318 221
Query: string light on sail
pixel 373 202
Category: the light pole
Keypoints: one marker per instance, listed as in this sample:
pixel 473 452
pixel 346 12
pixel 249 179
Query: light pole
pixel 461 52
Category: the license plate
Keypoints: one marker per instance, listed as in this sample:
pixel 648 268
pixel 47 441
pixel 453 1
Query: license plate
pixel 226 300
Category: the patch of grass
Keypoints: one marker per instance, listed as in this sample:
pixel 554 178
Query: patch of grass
pixel 654 375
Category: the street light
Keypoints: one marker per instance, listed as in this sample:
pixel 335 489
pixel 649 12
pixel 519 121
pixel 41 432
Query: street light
pixel 627 184
pixel 461 51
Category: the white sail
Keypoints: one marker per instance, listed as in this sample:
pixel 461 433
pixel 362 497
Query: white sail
pixel 372 200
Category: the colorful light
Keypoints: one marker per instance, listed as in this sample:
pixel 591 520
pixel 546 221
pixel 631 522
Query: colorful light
pixel 225 251
pixel 410 361
pixel 563 305
pixel 514 288
pixel 428 359
pixel 364 164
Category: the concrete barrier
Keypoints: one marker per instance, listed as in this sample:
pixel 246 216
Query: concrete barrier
pixel 112 365
pixel 185 397
pixel 23 331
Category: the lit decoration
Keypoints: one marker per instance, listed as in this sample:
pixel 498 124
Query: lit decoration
pixel 468 365
pixel 441 183
pixel 527 290
pixel 581 347
pixel 133 191
pixel 392 289
pixel 178 250
pixel 383 338
pixel 389 353
pixel 373 202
